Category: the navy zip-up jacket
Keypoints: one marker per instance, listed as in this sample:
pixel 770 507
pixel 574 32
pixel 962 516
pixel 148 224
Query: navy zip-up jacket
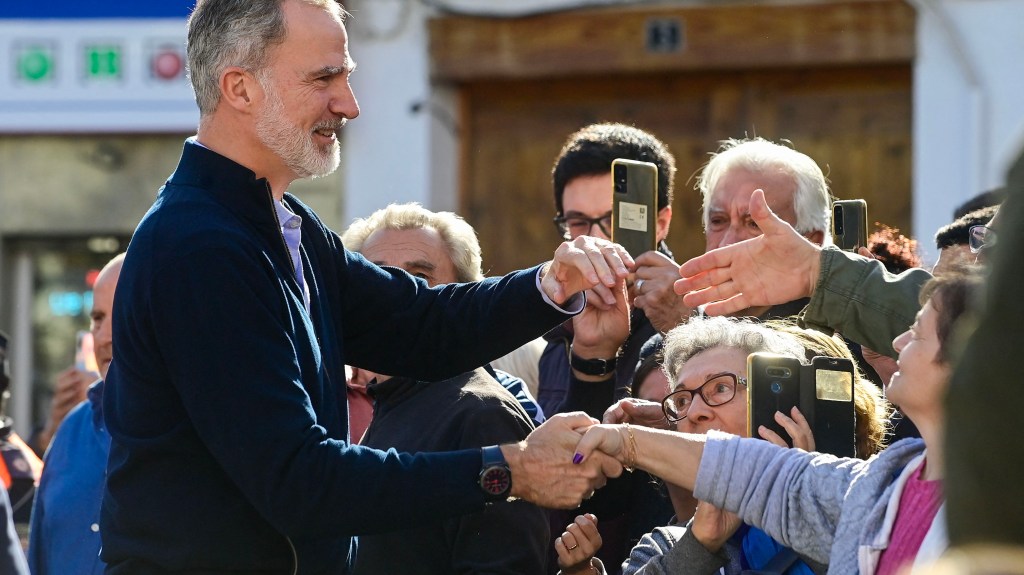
pixel 226 398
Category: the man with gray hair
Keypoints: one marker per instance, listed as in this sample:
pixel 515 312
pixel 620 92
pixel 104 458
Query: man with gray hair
pixel 469 410
pixel 794 187
pixel 237 310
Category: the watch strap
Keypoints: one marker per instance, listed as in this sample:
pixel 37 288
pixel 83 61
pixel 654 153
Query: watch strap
pixel 495 475
pixel 594 367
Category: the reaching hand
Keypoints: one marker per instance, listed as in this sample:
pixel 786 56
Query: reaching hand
pixel 600 330
pixel 776 267
pixel 586 263
pixel 797 428
pixel 637 412
pixel 653 291
pixel 713 526
pixel 542 466
pixel 578 545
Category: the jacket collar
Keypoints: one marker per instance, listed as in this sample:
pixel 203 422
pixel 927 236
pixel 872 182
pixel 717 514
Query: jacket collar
pixel 229 183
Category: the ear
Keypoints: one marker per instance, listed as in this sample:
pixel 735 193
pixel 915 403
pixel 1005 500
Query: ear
pixel 663 222
pixel 816 237
pixel 239 88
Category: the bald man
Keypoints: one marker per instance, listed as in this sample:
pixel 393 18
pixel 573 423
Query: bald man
pixel 66 540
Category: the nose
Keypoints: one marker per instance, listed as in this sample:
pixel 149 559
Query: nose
pixel 596 231
pixel 699 412
pixel 734 234
pixel 901 341
pixel 344 102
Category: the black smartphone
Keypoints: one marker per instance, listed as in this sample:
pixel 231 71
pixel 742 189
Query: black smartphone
pixel 833 417
pixel 634 205
pixel 823 390
pixel 773 384
pixel 850 224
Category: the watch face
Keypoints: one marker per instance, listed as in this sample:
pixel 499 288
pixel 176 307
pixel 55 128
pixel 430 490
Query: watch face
pixel 495 481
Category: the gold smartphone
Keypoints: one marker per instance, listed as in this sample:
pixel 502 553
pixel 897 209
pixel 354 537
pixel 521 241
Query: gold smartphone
pixel 634 205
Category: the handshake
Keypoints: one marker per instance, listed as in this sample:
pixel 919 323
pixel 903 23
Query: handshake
pixel 555 467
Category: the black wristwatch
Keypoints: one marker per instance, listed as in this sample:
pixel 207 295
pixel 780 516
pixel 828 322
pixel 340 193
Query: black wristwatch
pixel 594 367
pixel 495 476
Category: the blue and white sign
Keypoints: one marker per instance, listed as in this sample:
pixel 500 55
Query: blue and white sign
pixel 95 66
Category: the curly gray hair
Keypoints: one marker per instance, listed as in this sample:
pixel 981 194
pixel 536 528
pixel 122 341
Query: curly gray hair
pixel 703 333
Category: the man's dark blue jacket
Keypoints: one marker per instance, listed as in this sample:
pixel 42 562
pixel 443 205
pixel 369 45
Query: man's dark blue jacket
pixel 226 399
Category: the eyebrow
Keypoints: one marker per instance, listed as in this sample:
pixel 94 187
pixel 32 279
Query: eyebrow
pixel 334 70
pixel 420 265
pixel 410 266
pixel 574 213
pixel 709 377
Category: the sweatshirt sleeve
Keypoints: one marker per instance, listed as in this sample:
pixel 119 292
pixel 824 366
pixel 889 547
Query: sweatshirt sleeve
pixel 794 496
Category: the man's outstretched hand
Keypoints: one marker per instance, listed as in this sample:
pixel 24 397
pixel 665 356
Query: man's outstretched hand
pixel 776 267
pixel 542 465
pixel 586 263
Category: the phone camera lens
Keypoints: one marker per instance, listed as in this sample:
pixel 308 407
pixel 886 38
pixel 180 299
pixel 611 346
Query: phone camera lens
pixel 837 220
pixel 620 175
pixel 776 387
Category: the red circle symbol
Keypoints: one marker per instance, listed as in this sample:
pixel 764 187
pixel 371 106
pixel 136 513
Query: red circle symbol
pixel 167 64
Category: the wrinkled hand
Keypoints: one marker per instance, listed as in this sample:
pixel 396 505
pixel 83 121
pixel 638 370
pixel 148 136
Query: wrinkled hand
pixel 578 545
pixel 586 263
pixel 776 267
pixel 655 295
pixel 713 526
pixel 70 388
pixel 599 441
pixel 637 412
pixel 600 330
pixel 542 466
pixel 797 428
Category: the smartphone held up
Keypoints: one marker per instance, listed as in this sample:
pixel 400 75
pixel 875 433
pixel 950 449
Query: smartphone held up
pixel 634 205
pixel 823 391
pixel 850 224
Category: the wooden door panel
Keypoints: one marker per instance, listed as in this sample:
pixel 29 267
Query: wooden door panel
pixel 855 122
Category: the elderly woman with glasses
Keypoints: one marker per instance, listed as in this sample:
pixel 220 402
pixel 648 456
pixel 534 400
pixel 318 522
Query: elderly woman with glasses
pixel 705 362
pixel 877 516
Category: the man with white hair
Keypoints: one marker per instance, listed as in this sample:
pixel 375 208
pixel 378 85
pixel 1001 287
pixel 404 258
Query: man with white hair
pixel 468 410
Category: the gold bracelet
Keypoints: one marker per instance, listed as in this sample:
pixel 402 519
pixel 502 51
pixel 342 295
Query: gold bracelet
pixel 631 460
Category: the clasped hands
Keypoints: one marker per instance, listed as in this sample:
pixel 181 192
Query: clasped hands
pixel 548 467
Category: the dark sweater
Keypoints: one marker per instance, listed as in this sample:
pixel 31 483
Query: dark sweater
pixel 468 410
pixel 229 445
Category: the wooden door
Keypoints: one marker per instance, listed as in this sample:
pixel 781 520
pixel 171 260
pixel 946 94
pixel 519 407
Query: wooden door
pixel 853 118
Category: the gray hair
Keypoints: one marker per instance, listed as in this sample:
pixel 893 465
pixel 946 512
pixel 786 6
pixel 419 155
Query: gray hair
pixel 458 236
pixel 225 33
pixel 811 199
pixel 700 334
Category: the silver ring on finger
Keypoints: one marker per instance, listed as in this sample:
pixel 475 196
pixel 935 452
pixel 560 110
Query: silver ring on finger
pixel 639 285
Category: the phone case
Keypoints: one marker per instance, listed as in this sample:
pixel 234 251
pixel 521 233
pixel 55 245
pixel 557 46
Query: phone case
pixel 773 384
pixel 634 205
pixel 834 418
pixel 823 390
pixel 850 224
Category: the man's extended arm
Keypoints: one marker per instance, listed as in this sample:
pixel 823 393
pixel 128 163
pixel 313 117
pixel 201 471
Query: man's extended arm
pixel 857 297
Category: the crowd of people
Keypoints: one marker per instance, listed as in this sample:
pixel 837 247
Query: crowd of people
pixel 284 399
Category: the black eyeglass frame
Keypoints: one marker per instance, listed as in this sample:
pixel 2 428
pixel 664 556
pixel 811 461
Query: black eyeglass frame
pixel 561 224
pixel 736 381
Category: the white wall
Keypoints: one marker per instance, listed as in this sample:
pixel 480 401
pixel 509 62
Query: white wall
pixel 386 149
pixel 968 115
